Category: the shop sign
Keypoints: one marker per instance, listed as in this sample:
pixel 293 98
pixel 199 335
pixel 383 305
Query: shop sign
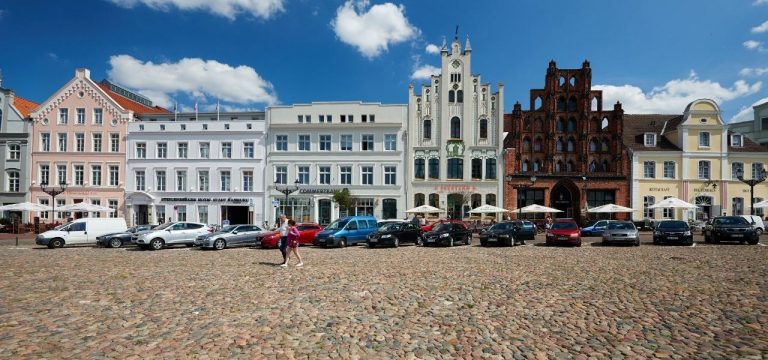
pixel 659 189
pixel 206 199
pixel 704 189
pixel 317 191
pixel 454 188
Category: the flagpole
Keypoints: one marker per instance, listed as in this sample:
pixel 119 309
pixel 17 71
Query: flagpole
pixel 175 111
pixel 217 109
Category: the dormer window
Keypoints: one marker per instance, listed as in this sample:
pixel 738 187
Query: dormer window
pixel 737 140
pixel 650 139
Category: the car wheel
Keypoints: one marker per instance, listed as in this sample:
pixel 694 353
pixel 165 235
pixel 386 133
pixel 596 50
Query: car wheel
pixel 342 242
pixel 579 244
pixel 759 231
pixel 156 244
pixel 115 242
pixel 189 245
pixel 56 243
pixel 483 243
pixel 655 241
pixel 715 240
pixel 219 244
pixel 707 239
pixel 396 242
pixel 753 242
pixel 371 245
pixel 637 243
pixel 469 239
pixel 603 243
pixel 419 240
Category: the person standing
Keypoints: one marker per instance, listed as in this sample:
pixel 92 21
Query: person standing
pixel 283 236
pixel 293 244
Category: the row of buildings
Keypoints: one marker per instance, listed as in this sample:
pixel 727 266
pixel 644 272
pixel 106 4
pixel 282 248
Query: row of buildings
pixel 451 146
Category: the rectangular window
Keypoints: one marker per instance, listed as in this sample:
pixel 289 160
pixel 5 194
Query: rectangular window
pixel 757 170
pixel 80 142
pixel 434 168
pixel 45 142
pixel 647 202
pixel 59 204
pixel 114 142
pixel 737 206
pixel 346 143
pixel 736 168
pixel 668 213
pixel 325 142
pixel 45 173
pixel 419 167
pixel 247 180
pixel 669 169
pixel 477 168
pixel 321 118
pixel 226 150
pixel 704 170
pixel 96 202
pixel 456 168
pixel 343 118
pixel 181 213
pixel 43 214
pixel 490 169
pixel 79 175
pixel 364 118
pixel 98 116
pixel 160 212
pixel 350 118
pixel 80 116
pixel 112 204
pixel 14 184
pixel 301 118
pixel 141 151
pixel 372 118
pixel 160 180
pixel 736 140
pixel 649 169
pixel 366 175
pixel 181 180
pixel 63 116
pixel 141 181
pixel 308 118
pixel 764 123
pixel 328 118
pixel 183 147
pixel 62 142
pixel 96 142
pixel 390 175
pixel 303 175
pixel 704 139
pixel 114 175
pixel 202 213
pixel 248 150
pixel 345 175
pixel 14 152
pixel 304 143
pixel 325 175
pixel 390 142
pixel 162 150
pixel 96 175
pixel 281 175
pixel 281 143
pixel 203 182
pixel 226 181
pixel 367 143
pixel 205 150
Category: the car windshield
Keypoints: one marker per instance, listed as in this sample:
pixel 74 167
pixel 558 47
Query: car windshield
pixel 389 227
pixel 503 226
pixel 564 226
pixel 621 226
pixel 337 225
pixel 731 220
pixel 61 226
pixel 228 228
pixel 672 225
pixel 164 226
pixel 441 227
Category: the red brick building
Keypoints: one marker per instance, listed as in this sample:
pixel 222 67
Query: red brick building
pixel 570 143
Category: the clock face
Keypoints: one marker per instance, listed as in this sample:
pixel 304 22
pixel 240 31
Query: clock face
pixel 456 63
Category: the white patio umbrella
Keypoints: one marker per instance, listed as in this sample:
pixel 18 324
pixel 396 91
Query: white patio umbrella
pixel 761 204
pixel 487 209
pixel 424 209
pixel 83 207
pixel 25 206
pixel 610 208
pixel 535 208
pixel 673 203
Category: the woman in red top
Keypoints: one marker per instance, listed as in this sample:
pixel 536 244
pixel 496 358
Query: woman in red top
pixel 293 243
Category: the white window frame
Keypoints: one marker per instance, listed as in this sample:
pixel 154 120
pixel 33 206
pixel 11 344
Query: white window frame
pixel 140 177
pixel 367 178
pixel 705 135
pixel 162 150
pixel 390 175
pixel 281 142
pixel 225 180
pixel 247 180
pixel 652 137
pixel 741 140
pixel 161 182
pixel 324 174
pixel 114 176
pixel 249 150
pixel 348 175
pixel 14 152
pixel 674 169
pixel 226 150
pixel 98 116
pixel 646 168
pixel 96 174
pixel 304 142
pixel 281 171
pixel 708 175
pixel 96 139
pixel 303 176
pixel 390 142
pixel 141 150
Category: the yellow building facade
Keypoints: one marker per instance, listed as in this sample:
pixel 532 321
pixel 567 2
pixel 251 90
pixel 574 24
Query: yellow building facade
pixel 693 157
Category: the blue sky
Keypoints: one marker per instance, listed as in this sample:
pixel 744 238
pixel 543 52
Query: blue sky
pixel 652 55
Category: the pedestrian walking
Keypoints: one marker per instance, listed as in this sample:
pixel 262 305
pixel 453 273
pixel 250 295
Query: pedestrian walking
pixel 293 243
pixel 283 236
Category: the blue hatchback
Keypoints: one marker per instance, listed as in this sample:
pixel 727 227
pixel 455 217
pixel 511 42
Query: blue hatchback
pixel 346 231
pixel 596 229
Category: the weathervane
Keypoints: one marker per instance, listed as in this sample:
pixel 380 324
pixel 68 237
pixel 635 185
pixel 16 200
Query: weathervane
pixel 456 35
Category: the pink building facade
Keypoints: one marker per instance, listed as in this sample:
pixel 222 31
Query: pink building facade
pixel 78 137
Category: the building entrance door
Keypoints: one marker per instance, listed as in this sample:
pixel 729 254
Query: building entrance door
pixel 455 202
pixel 324 212
pixel 142 214
pixel 235 214
pixel 562 199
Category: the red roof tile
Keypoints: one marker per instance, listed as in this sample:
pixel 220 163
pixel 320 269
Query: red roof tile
pixel 129 104
pixel 24 106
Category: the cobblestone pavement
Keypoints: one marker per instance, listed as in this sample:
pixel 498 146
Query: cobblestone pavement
pixel 705 301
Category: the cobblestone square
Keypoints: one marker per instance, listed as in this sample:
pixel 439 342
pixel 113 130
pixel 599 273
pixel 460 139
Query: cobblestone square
pixel 705 301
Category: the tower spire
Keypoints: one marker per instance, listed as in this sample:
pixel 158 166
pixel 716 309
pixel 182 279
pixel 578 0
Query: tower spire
pixel 467 47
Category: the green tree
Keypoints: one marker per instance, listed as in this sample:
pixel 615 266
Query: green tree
pixel 343 198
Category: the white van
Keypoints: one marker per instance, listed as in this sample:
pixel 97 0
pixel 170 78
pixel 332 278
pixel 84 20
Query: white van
pixel 80 232
pixel 757 222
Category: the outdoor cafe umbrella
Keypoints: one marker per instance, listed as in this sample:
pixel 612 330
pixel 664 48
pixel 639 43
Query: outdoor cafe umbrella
pixel 83 207
pixel 762 204
pixel 424 209
pixel 535 208
pixel 25 206
pixel 673 203
pixel 610 208
pixel 485 209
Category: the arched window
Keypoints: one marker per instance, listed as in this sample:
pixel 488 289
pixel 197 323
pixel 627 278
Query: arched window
pixel 418 199
pixel 561 103
pixel 572 103
pixel 476 200
pixel 594 104
pixel 569 166
pixel 593 145
pixel 605 145
pixel 455 128
pixel 525 166
pixel 490 199
pixel 561 124
pixel 562 80
pixel 459 96
pixel 559 145
pixel 604 124
pixel 593 166
pixel 483 128
pixel 537 103
pixel 606 166
pixel 571 125
pixel 526 144
pixel 571 144
pixel 573 81
pixel 451 96
pixel 427 129
pixel 537 165
pixel 434 200
pixel 537 144
pixel 559 166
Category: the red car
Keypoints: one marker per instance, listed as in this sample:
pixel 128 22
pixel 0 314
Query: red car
pixel 429 227
pixel 269 239
pixel 307 232
pixel 564 231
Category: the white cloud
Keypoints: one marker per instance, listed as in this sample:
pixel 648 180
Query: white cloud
pixel 746 113
pixel 372 31
pixel 760 2
pixel 760 28
pixel 195 77
pixel 432 49
pixel 672 97
pixel 424 72
pixel 753 72
pixel 229 9
pixel 754 45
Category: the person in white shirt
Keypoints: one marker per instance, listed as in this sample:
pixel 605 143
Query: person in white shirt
pixel 283 236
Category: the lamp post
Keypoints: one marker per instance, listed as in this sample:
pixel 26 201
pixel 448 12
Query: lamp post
pixel 287 190
pixel 586 203
pixel 53 192
pixel 751 182
pixel 520 187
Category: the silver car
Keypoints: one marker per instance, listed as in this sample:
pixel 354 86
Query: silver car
pixel 229 236
pixel 623 232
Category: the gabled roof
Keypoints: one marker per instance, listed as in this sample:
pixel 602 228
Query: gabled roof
pixel 636 126
pixel 749 145
pixel 24 106
pixel 131 105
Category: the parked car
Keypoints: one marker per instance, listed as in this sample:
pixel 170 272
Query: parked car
pixel 268 239
pixel 395 233
pixel 448 233
pixel 346 231
pixel 172 233
pixel 307 232
pixel 504 233
pixel 677 231
pixel 621 232
pixel 756 222
pixel 596 229
pixel 428 227
pixel 119 239
pixel 731 228
pixel 563 231
pixel 80 232
pixel 229 236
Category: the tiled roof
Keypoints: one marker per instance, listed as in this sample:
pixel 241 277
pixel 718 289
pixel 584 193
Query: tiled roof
pixel 749 145
pixel 24 106
pixel 635 126
pixel 129 104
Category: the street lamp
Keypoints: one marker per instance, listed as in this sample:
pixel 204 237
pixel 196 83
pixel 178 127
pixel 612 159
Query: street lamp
pixel 751 182
pixel 287 190
pixel 53 192
pixel 519 188
pixel 586 203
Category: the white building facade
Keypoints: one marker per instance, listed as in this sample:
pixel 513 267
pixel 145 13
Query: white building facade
pixel 455 131
pixel 331 146
pixel 205 168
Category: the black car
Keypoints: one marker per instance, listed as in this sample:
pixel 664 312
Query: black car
pixel 672 231
pixel 395 233
pixel 448 233
pixel 730 228
pixel 505 233
pixel 119 239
